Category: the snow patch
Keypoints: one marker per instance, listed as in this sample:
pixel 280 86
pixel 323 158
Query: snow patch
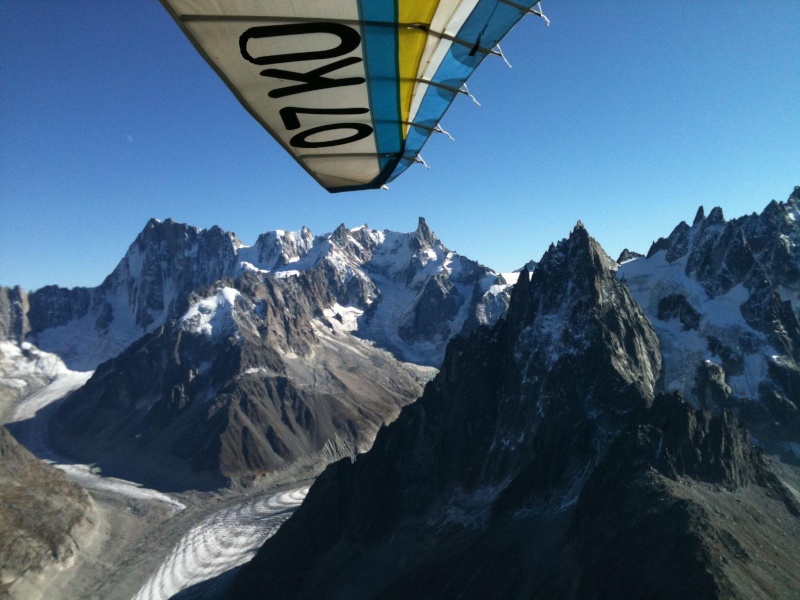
pixel 213 316
pixel 18 362
pixel 343 317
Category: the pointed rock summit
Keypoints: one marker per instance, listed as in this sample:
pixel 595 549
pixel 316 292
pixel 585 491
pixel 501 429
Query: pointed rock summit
pixel 339 235
pixel 424 237
pixel 699 216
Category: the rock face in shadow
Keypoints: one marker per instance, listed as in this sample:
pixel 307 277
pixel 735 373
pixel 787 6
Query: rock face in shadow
pixel 682 507
pixel 538 436
pixel 43 515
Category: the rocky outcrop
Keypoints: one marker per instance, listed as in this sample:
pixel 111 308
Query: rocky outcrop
pixel 627 255
pixel 252 380
pixel 14 324
pixel 44 517
pixel 676 306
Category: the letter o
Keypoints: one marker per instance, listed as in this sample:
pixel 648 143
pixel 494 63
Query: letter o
pixel 362 130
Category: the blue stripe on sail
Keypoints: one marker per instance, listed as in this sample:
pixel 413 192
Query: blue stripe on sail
pixel 381 65
pixel 491 21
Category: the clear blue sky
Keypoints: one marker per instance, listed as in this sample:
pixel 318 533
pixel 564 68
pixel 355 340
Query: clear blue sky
pixel 624 114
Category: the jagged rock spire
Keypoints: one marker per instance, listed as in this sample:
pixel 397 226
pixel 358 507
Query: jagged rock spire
pixel 339 235
pixel 424 237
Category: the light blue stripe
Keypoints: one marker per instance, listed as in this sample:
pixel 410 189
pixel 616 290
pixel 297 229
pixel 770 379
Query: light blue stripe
pixel 380 56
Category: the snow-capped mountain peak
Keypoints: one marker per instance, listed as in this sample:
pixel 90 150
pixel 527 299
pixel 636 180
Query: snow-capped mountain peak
pixel 389 278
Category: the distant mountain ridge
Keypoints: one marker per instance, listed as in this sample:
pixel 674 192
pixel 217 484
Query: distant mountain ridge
pixel 168 261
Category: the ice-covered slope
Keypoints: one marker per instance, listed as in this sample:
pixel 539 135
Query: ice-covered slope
pixel 723 298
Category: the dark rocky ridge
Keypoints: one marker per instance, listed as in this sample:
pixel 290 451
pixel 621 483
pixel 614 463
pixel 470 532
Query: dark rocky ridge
pixel 43 515
pixel 472 492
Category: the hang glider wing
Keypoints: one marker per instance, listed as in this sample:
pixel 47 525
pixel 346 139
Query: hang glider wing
pixel 352 89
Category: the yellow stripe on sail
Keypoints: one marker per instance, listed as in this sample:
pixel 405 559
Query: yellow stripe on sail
pixel 411 43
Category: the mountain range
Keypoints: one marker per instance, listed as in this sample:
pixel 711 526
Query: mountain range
pixel 585 428
pixel 591 444
pixel 214 361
